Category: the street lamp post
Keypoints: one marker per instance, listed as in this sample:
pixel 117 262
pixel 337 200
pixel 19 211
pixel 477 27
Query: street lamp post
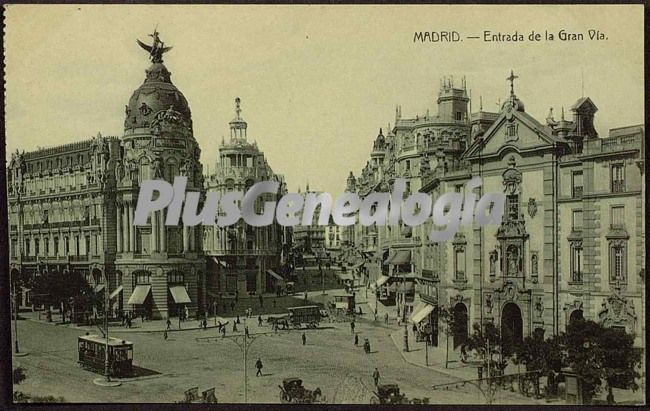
pixel 426 349
pixel 406 328
pixel 244 345
pixel 106 382
pixel 14 300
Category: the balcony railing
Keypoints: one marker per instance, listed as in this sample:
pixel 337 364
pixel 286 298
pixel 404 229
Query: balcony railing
pixel 613 144
pixel 618 186
pixel 577 191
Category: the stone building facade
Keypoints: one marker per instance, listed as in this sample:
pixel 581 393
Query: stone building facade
pixel 242 256
pixel 571 243
pixel 71 207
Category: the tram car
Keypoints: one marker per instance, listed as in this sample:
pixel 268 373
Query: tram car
pixel 92 355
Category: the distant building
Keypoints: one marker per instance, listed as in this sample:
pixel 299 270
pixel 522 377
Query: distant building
pixel 243 256
pixel 310 239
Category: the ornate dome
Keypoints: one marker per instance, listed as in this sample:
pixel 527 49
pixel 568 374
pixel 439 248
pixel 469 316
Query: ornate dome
pixel 157 94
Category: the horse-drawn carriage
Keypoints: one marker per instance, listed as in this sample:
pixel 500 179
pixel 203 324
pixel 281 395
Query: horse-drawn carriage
pixel 192 396
pixel 279 322
pixel 390 394
pixel 292 391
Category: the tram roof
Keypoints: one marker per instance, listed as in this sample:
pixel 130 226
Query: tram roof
pixel 102 340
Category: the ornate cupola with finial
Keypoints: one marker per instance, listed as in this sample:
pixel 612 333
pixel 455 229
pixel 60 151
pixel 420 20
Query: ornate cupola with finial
pixel 583 123
pixel 238 125
pixel 157 107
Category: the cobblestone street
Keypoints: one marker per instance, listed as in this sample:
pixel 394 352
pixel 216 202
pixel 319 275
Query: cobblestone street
pixel 166 369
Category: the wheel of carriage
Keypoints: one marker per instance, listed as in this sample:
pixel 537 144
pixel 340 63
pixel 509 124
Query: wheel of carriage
pixel 284 398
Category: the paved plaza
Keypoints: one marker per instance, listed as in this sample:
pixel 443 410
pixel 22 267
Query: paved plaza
pixel 166 368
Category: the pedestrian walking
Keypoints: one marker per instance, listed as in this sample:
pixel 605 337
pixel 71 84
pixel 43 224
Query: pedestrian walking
pixel 165 335
pixel 352 327
pixel 187 314
pixel 246 330
pixel 386 318
pixel 375 376
pixel 356 339
pixel 259 366
pixel 259 321
pixel 234 327
pixel 169 323
pixel 238 322
pixel 261 301
pixel 223 331
pixel 304 339
pixel 205 324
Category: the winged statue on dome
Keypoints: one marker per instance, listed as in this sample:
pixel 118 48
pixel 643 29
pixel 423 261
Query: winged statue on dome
pixel 157 49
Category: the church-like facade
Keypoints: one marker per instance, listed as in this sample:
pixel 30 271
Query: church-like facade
pixel 572 241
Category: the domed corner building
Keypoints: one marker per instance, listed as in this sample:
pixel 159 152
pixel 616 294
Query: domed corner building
pixel 160 268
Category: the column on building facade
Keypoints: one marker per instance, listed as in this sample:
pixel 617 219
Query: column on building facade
pixel 119 228
pixel 163 232
pixel 154 232
pixel 131 229
pixel 186 239
pixel 125 229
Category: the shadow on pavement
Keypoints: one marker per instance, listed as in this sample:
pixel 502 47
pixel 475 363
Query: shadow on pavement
pixel 142 372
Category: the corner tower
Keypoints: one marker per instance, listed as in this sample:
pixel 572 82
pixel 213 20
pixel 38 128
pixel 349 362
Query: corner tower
pixel 161 266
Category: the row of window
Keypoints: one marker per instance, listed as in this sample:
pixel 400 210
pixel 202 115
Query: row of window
pixel 617 256
pixel 59 162
pixel 65 246
pixel 617 180
pixel 616 218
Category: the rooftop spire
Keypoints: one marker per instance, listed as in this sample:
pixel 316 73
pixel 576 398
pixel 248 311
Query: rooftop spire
pixel 238 108
pixel 511 79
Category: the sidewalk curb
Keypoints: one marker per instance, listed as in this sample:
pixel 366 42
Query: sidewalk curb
pixel 116 329
pixel 430 367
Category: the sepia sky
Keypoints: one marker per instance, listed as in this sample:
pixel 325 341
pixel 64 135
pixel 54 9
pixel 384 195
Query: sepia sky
pixel 316 82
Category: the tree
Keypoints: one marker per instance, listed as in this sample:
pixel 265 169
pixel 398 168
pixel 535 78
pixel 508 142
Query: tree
pixel 541 357
pixel 54 288
pixel 446 315
pixel 599 354
pixel 487 341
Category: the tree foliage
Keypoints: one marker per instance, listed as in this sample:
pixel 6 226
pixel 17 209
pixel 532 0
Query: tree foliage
pixel 599 355
pixel 53 288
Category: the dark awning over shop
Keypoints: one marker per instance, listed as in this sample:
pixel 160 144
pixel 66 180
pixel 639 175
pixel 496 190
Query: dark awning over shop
pixel 116 292
pixel 275 275
pixel 399 257
pixel 420 313
pixel 179 294
pixel 139 294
